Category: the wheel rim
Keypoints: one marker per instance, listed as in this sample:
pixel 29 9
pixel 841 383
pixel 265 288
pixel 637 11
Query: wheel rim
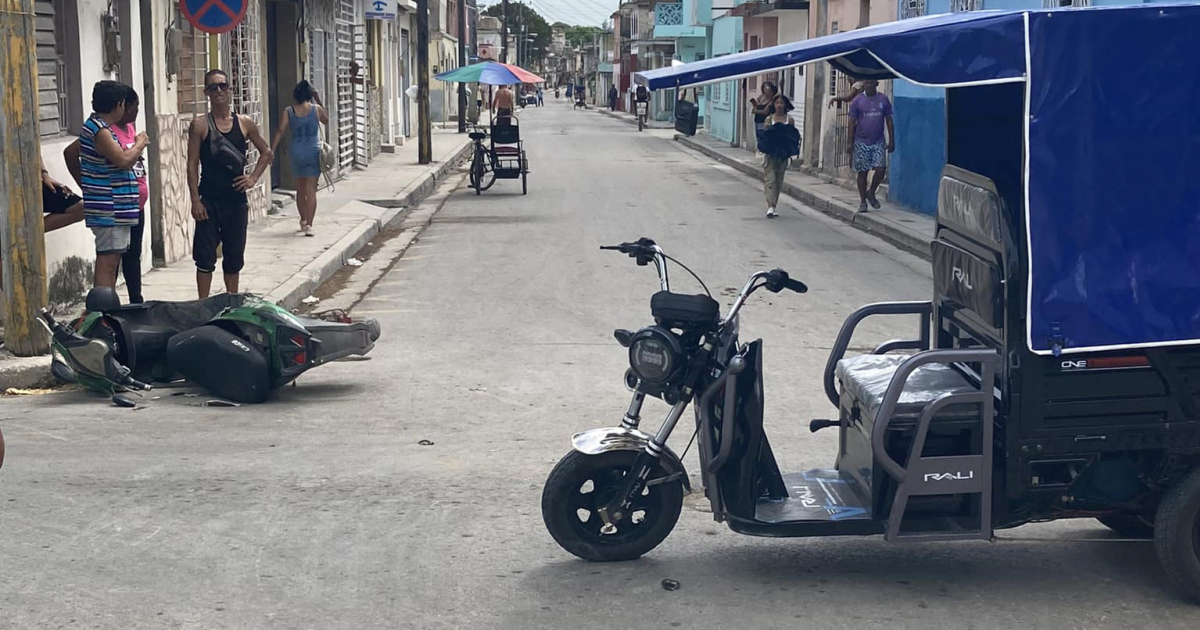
pixel 596 488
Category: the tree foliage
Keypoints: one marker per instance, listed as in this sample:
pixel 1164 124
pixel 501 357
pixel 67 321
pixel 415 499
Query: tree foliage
pixel 520 14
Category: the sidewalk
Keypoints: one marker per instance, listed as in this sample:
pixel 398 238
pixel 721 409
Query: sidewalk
pixel 283 265
pixel 903 228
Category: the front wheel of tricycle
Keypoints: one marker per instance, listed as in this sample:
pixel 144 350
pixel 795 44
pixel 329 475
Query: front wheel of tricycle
pixel 1177 535
pixel 581 484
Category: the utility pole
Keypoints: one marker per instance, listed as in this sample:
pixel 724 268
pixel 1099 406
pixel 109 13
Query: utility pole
pixel 462 61
pixel 424 126
pixel 504 32
pixel 21 235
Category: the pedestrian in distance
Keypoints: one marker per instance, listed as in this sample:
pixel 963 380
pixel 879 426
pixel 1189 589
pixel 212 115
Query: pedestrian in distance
pixel 303 118
pixel 762 107
pixel 126 133
pixel 612 98
pixel 540 98
pixel 870 114
pixel 779 142
pixel 110 186
pixel 217 180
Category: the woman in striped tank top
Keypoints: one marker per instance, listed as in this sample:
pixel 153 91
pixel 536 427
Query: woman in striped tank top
pixel 110 187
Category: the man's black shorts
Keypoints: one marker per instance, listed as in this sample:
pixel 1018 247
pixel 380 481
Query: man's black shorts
pixel 226 225
pixel 56 201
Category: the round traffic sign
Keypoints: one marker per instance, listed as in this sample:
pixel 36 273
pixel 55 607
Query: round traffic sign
pixel 214 16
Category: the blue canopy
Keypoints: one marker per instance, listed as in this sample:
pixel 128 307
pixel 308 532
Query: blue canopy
pixel 1111 159
pixel 948 49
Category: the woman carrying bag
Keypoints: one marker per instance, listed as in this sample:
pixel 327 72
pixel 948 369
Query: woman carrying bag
pixel 779 142
pixel 304 118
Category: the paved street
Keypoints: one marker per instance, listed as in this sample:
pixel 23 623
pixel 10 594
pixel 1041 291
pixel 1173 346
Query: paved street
pixel 322 509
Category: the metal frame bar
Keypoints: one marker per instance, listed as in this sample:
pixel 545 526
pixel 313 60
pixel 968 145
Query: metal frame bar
pixel 924 309
pixel 988 361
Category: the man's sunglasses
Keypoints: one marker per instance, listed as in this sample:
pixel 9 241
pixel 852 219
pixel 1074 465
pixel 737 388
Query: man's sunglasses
pixel 216 87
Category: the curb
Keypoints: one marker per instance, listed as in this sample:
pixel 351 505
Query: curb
pixel 312 275
pixel 26 373
pixel 908 241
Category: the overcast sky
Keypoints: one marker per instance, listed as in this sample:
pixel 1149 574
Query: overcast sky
pixel 578 12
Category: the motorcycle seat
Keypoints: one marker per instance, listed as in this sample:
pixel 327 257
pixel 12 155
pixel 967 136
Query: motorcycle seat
pixel 865 380
pixel 686 310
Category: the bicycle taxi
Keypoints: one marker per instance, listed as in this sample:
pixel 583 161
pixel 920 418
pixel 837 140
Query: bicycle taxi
pixel 502 156
pixel 1054 370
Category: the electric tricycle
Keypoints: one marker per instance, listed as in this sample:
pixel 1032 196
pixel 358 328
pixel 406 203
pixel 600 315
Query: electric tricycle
pixel 1052 374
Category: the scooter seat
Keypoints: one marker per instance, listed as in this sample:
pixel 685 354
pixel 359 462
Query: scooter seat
pixel 865 379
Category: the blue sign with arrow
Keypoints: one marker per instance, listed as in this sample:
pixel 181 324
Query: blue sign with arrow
pixel 214 16
pixel 380 10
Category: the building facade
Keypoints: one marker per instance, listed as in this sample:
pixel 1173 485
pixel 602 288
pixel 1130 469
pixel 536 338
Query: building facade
pixel 360 69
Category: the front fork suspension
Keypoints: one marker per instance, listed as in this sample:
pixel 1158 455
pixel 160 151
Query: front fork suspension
pixel 636 481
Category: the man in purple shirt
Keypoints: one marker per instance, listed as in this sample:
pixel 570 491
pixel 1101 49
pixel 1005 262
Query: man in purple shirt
pixel 870 112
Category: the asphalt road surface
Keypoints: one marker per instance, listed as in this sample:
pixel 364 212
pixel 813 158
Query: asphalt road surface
pixel 323 509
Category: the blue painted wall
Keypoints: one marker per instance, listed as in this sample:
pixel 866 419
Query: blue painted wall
pixel 726 39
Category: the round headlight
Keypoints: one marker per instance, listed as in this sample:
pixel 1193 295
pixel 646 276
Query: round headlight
pixel 655 355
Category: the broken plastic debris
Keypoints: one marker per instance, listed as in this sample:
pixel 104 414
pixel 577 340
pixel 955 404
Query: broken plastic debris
pixel 21 391
pixel 670 585
pixel 312 299
pixel 221 403
pixel 425 443
pixel 354 262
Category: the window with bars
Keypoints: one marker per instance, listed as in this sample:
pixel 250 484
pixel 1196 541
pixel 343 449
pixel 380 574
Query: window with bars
pixel 59 102
pixel 958 6
pixel 912 8
pixel 244 53
pixel 833 73
pixel 193 64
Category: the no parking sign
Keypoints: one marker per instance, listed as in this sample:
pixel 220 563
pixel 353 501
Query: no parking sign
pixel 214 16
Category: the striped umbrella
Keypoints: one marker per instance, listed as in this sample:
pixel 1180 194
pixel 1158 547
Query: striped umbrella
pixel 490 73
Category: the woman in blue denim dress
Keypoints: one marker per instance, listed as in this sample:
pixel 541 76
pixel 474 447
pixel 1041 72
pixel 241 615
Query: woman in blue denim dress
pixel 302 119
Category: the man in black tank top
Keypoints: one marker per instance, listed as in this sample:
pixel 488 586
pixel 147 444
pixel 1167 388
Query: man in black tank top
pixel 217 179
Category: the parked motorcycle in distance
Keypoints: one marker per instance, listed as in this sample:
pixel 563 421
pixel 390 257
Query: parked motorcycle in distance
pixel 238 346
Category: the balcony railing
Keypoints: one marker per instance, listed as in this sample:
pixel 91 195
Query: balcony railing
pixel 668 14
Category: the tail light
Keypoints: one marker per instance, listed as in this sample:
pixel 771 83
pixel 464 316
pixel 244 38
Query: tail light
pixel 293 348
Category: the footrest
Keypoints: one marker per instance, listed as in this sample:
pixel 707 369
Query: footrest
pixel 816 495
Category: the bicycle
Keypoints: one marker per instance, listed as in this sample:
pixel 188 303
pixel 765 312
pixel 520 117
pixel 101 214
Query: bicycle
pixel 481 163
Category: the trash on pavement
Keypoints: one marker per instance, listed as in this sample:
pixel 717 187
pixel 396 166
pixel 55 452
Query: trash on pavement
pixel 670 585
pixel 312 299
pixel 221 403
pixel 354 262
pixel 425 443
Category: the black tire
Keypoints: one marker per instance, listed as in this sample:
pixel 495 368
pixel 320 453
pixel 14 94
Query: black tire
pixel 564 498
pixel 477 172
pixel 1128 525
pixel 1177 535
pixel 640 124
pixel 524 174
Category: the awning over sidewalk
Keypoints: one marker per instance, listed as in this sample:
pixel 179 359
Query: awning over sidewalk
pixel 950 49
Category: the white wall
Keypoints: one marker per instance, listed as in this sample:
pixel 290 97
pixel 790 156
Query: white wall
pixel 77 240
